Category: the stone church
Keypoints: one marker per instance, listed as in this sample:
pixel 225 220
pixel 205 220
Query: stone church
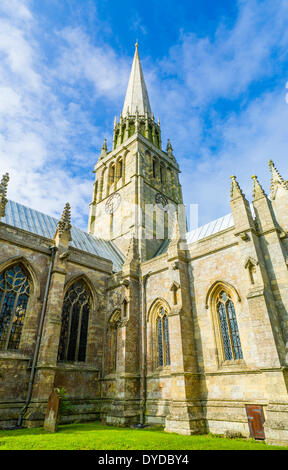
pixel 139 320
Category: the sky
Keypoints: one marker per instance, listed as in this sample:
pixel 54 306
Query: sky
pixel 216 73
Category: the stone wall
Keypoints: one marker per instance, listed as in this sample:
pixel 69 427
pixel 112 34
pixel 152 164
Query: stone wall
pixel 80 380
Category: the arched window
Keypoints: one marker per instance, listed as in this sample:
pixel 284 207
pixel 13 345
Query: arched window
pixel 74 328
pixel 154 164
pixel 229 328
pixel 14 296
pixel 95 191
pixel 112 174
pixel 162 173
pixel 112 342
pixel 163 338
pixel 120 169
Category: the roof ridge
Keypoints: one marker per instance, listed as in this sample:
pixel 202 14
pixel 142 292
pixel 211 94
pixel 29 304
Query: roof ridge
pixel 34 221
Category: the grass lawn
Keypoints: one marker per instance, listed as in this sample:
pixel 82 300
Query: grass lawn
pixel 94 436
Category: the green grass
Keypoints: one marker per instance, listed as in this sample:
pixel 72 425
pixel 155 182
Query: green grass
pixel 94 436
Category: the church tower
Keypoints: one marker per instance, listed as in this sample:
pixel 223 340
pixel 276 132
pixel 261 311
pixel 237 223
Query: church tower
pixel 137 189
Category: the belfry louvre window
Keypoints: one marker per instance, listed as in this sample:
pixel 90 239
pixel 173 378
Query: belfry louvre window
pixel 229 327
pixel 163 338
pixel 74 328
pixel 14 296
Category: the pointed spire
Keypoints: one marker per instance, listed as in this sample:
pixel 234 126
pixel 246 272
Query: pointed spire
pixel 236 191
pixel 136 94
pixel 64 224
pixel 169 148
pixel 276 180
pixel 3 194
pixel 258 191
pixel 104 149
pixel 63 232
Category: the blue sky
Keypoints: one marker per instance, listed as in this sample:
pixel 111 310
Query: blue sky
pixel 216 73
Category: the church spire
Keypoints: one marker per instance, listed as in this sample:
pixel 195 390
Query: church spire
pixel 136 94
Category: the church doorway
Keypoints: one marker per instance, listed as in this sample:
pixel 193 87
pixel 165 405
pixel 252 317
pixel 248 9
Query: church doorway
pixel 256 420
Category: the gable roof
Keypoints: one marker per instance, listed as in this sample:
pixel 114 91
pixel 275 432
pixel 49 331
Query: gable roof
pixel 199 233
pixel 211 228
pixel 36 222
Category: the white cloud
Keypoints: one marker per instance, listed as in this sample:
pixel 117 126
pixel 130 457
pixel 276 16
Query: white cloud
pixel 225 65
pixel 198 72
pixel 80 60
pixel 17 9
pixel 46 130
pixel 45 140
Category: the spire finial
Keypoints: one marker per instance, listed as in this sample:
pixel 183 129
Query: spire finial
pixel 136 45
pixel 3 193
pixel 276 180
pixel 258 191
pixel 64 224
pixel 236 191
pixel 63 232
pixel 169 146
pixel 104 149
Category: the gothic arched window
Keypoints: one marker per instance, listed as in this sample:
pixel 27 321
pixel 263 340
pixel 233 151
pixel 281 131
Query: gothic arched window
pixel 154 168
pixel 74 328
pixel 120 169
pixel 229 328
pixel 163 338
pixel 14 296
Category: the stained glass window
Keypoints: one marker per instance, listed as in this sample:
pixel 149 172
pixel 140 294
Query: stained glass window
pixel 163 339
pixel 14 296
pixel 74 327
pixel 229 328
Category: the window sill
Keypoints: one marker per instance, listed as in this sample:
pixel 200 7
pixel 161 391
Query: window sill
pixel 14 355
pixel 76 366
pixel 162 371
pixel 238 364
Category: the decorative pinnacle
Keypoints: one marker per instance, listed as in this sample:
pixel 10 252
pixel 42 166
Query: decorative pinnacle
pixel 258 191
pixel 276 180
pixel 4 185
pixel 3 193
pixel 104 149
pixel 64 224
pixel 236 191
pixel 169 147
pixel 104 146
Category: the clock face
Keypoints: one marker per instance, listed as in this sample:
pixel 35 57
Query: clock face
pixel 113 203
pixel 161 200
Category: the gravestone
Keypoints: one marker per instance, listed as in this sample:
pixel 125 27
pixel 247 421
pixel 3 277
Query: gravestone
pixel 52 413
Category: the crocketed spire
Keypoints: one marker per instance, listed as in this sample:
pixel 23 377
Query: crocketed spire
pixel 236 191
pixel 64 224
pixel 258 191
pixel 3 194
pixel 276 180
